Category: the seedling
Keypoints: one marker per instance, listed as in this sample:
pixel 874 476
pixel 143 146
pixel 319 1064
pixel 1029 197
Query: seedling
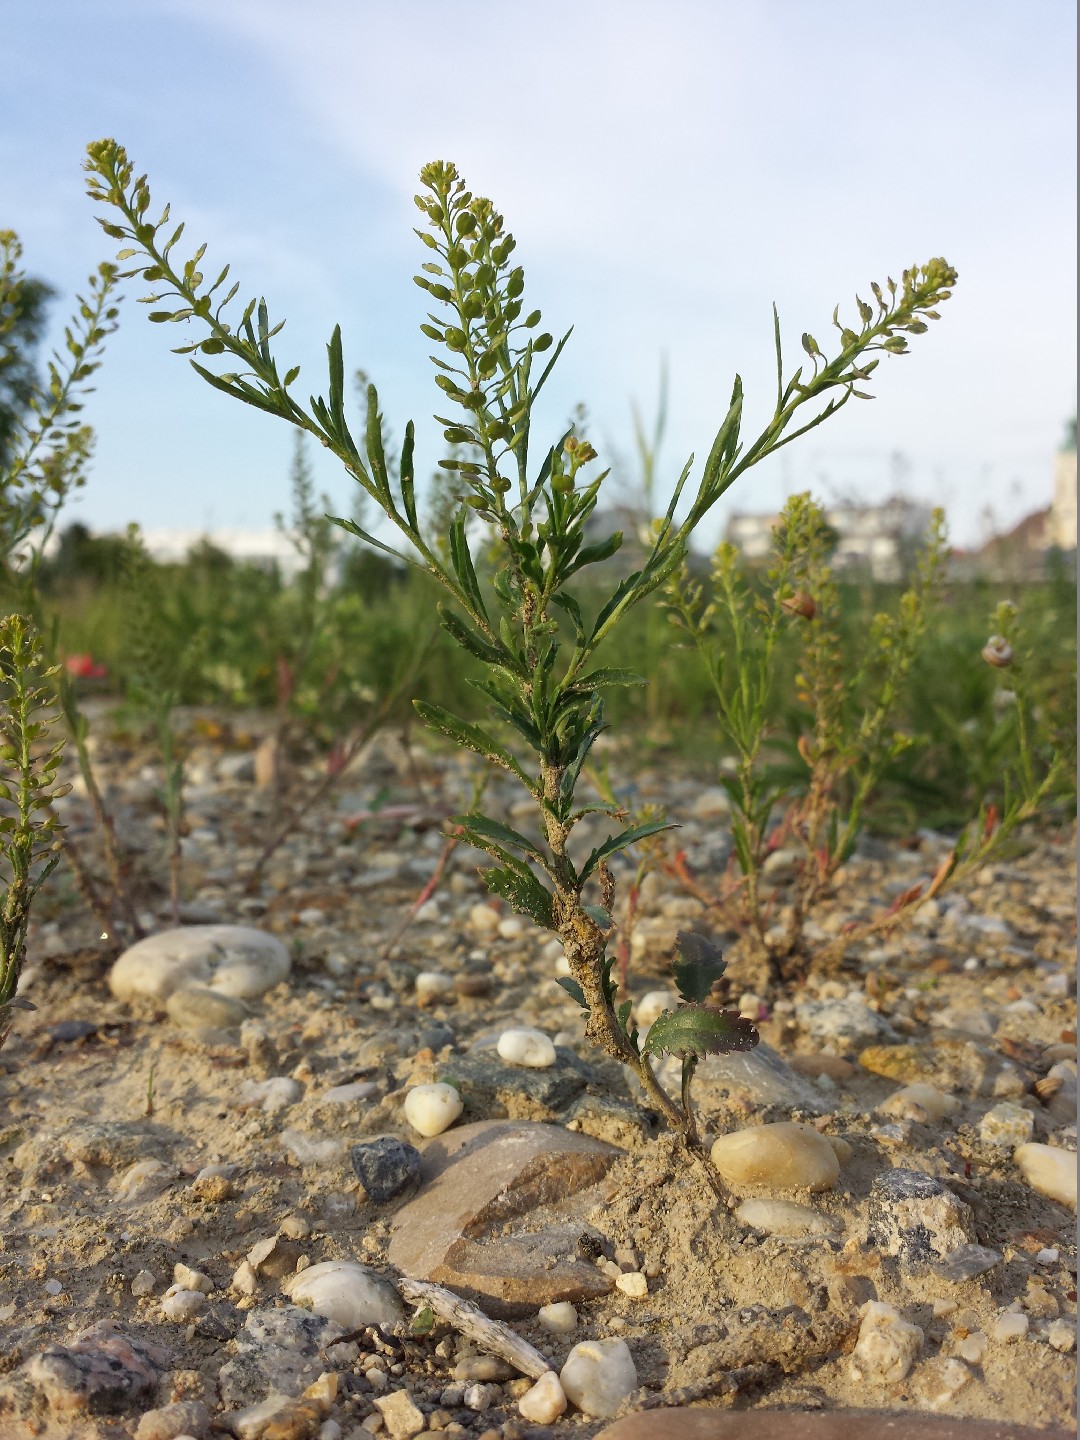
pixel 526 625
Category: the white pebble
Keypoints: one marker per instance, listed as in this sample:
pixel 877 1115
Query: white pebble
pixel 144 1175
pixel 178 1304
pixel 973 1348
pixel 1061 1335
pixel 887 1345
pixel 188 1279
pixel 349 1294
pixel 785 1217
pixel 785 1156
pixel 431 1109
pixel 944 1381
pixel 1049 1255
pixel 559 1319
pixel 545 1402
pixel 431 986
pixel 402 1417
pixel 143 1283
pixel 244 1280
pixel 652 1005
pixel 1051 1172
pixel 54 1287
pixel 529 1048
pixel 480 1397
pixel 1010 1325
pixel 1006 1126
pixel 511 928
pixel 234 960
pixel 277 1093
pixel 921 1103
pixel 484 919
pixel 633 1284
pixel 598 1376
pixel 348 1094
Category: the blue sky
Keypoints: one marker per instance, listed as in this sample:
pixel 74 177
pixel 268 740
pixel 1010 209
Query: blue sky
pixel 668 170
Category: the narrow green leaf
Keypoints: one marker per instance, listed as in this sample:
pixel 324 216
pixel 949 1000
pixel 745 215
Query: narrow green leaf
pixel 473 738
pixel 469 639
pixel 622 840
pixel 490 829
pixel 461 559
pixel 524 893
pixel 608 675
pixel 408 479
pixel 573 989
pixel 699 1030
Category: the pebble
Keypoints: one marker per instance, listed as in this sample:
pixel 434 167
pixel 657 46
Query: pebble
pixel 401 1416
pixel 968 1261
pixel 143 1283
pixel 234 960
pixel 280 1350
pixel 925 1104
pixel 189 1279
pixel 385 1167
pixel 358 1091
pixel 848 1023
pixel 652 1005
pixel 759 1076
pixel 431 1109
pixel 598 1375
pixel 306 1149
pixel 483 919
pixel 351 1295
pixel 917 1218
pixel 529 1048
pixel 785 1156
pixel 1061 1336
pixel 1050 1171
pixel 633 1284
pixel 1006 1126
pixel 143 1179
pixel 102 1369
pixel 785 1217
pixel 480 1397
pixel 544 1402
pixel 182 1305
pixel 275 1256
pixel 887 1345
pixel 973 1348
pixel 433 986
pixel 276 1093
pixel 172 1422
pixel 482 1367
pixel 1010 1325
pixel 198 1008
pixel 559 1319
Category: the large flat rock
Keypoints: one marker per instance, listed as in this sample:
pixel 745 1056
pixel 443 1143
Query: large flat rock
pixel 476 1179
pixel 836 1425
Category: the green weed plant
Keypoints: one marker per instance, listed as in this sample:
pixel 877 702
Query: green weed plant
pixel 536 644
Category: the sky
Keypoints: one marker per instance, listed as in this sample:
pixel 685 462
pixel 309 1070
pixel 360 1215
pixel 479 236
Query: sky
pixel 669 171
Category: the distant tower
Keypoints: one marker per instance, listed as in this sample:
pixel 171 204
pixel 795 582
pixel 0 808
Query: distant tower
pixel 1062 527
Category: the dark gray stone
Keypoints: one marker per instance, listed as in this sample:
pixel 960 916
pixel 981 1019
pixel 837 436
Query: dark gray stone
pixel 493 1089
pixel 917 1218
pixel 385 1167
pixel 277 1350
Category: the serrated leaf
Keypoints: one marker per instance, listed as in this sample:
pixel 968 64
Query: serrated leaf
pixel 697 965
pixel 573 989
pixel 699 1030
pixel 523 892
pixel 622 840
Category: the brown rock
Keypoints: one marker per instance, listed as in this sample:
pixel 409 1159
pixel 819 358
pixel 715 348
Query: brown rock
pixel 474 1180
pixel 793 1425
pixel 834 1066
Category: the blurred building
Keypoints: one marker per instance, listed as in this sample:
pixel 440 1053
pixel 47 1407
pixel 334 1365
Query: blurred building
pixel 263 548
pixel 1061 530
pixel 875 540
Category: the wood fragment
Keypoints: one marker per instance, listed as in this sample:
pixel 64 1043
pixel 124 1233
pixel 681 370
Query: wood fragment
pixel 491 1336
